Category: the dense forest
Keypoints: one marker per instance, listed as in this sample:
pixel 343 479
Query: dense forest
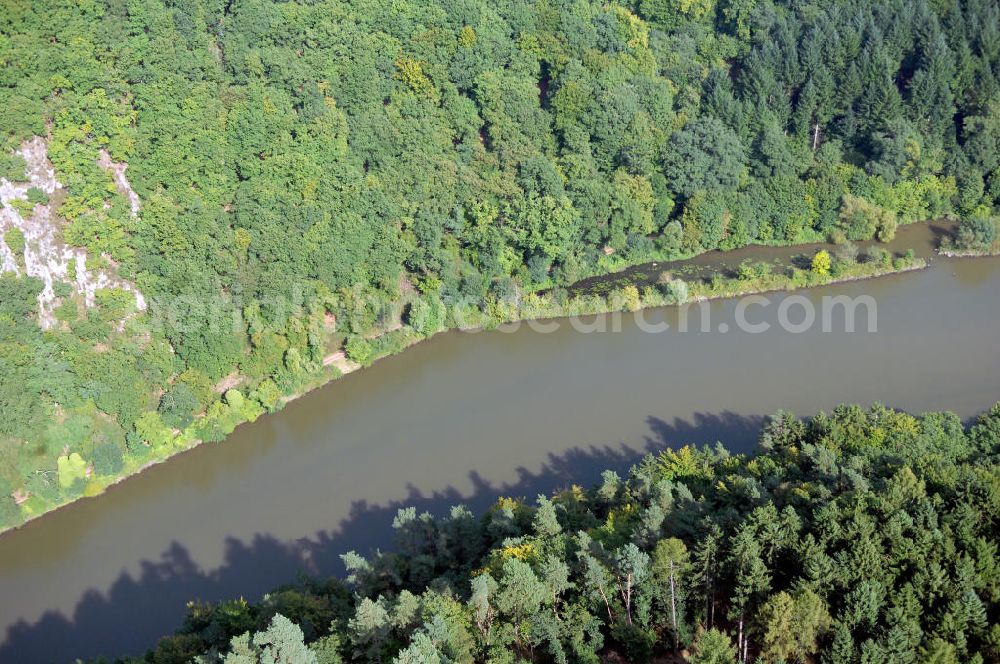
pixel 856 536
pixel 308 175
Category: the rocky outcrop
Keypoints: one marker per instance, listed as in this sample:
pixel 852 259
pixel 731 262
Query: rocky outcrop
pixel 117 170
pixel 45 255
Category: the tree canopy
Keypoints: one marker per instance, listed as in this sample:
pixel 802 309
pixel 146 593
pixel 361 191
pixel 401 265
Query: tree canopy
pixel 854 536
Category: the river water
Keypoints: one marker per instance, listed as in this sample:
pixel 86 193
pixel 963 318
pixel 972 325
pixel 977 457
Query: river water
pixel 463 418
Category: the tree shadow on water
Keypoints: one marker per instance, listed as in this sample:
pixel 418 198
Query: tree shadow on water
pixel 129 616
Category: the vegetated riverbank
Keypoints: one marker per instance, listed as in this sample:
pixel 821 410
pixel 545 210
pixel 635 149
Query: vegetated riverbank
pixel 462 419
pixel 972 237
pixel 709 276
pixel 924 238
pixel 970 253
pixel 992 250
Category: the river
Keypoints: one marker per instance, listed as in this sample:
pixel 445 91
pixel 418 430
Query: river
pixel 463 418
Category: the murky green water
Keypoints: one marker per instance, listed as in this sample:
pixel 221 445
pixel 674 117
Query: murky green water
pixel 463 418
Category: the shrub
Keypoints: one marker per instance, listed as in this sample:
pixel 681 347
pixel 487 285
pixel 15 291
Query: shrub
pixel 71 468
pixel 268 395
pixel 878 255
pixel 358 350
pixel 12 167
pixel 821 263
pixel 108 459
pixel 14 238
pixel 677 291
pixel 886 230
pixel 178 405
pixel 670 240
pixel 636 642
pixel 750 271
pixel 630 300
pixel 152 430
pixel 426 315
pixel 37 197
pixel 976 233
pixel 10 513
pixel 862 220
pixel 846 253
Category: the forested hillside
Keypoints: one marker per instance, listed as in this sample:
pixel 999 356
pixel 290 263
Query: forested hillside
pixel 852 537
pixel 239 188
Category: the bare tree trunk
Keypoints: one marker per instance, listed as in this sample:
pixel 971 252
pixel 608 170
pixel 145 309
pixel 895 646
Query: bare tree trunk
pixel 485 626
pixel 709 600
pixel 628 599
pixel 739 639
pixel 607 604
pixel 815 136
pixel 673 606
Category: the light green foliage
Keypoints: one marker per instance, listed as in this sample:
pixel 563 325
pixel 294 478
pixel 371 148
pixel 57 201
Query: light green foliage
pixel 677 291
pixel 793 626
pixel 114 304
pixel 12 167
pixel 751 271
pixel 358 350
pixel 234 399
pixel 546 521
pixel 861 220
pixel 151 430
pixel 370 629
pixel 14 237
pixel 712 646
pixel 268 395
pixel 821 263
pixel 71 468
pixel 625 299
pixel 519 596
pixel 327 650
pixel 671 569
pixel 222 417
pixel 671 13
pixel 426 315
pixel 280 643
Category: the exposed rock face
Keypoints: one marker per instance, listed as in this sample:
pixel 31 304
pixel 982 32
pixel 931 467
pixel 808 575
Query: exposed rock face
pixel 7 261
pixel 117 170
pixel 45 256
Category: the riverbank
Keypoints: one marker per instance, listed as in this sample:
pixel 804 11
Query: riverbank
pixel 535 308
pixel 700 278
pixel 970 253
pixel 461 419
pixel 975 237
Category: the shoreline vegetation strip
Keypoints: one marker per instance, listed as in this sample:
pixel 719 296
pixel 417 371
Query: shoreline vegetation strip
pixel 234 409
